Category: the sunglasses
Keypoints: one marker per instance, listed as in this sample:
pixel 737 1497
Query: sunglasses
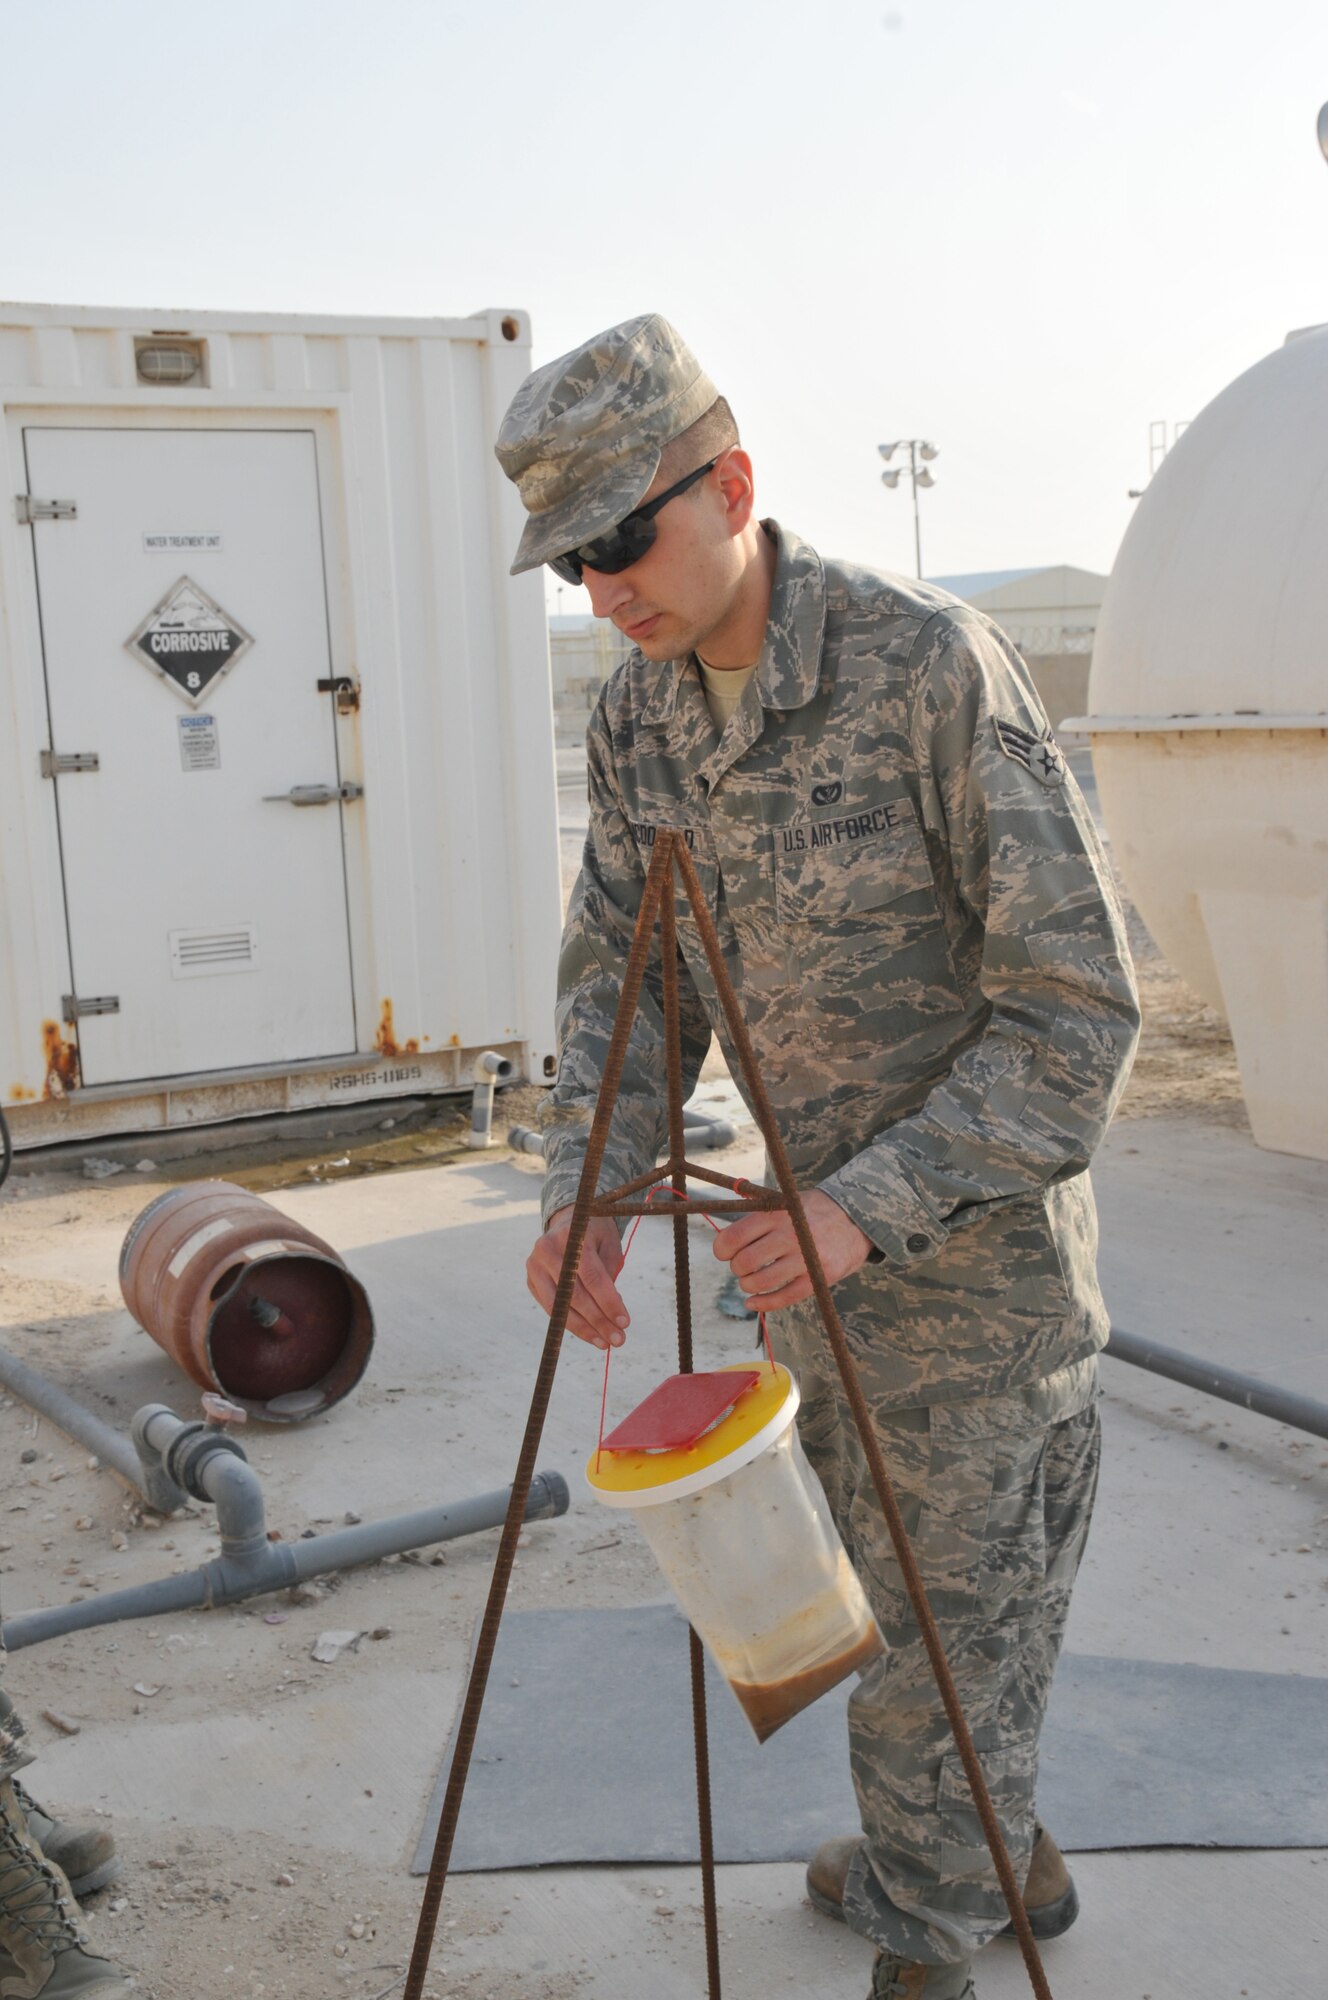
pixel 628 542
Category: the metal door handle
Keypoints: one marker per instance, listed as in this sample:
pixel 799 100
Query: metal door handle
pixel 314 795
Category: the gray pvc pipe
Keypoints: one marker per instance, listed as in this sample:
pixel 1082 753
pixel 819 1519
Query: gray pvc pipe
pixel 490 1069
pixel 142 1600
pixel 701 1130
pixel 371 1540
pixel 712 1132
pixel 269 1566
pixel 1264 1398
pixel 112 1447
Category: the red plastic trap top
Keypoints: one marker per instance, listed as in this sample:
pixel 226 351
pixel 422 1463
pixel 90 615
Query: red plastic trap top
pixel 681 1411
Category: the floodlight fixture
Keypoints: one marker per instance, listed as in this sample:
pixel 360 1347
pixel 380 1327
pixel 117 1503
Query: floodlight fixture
pixel 917 448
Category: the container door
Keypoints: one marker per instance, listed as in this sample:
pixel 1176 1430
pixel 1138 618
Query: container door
pixel 184 623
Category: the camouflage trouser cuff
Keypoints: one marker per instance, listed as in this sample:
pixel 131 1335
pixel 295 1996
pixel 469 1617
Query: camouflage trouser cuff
pixel 869 1911
pixel 14 1753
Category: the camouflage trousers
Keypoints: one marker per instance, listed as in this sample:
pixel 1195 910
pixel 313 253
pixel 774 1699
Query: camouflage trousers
pixel 996 1494
pixel 14 1752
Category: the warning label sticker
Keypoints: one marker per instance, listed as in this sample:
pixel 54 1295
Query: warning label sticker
pixel 189 640
pixel 199 748
pixel 155 545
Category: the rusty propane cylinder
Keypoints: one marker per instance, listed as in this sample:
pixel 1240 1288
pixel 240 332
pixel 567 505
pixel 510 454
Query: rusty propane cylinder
pixel 247 1301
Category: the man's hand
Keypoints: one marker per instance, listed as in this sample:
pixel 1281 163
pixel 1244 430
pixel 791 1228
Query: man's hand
pixel 597 1312
pixel 762 1251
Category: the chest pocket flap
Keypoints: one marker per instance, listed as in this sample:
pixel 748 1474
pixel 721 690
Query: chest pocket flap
pixel 852 864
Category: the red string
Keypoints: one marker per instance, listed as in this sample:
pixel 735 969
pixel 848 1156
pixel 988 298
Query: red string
pixel 682 1201
pixel 603 1404
pixel 769 1351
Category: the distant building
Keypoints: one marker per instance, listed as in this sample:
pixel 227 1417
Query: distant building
pixel 583 652
pixel 1051 615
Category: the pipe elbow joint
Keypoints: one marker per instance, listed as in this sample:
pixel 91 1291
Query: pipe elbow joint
pixel 231 1484
pixel 154 1429
pixel 190 1452
pixel 491 1068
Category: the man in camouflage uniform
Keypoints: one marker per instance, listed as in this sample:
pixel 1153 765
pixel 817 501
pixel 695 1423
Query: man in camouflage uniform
pixel 930 957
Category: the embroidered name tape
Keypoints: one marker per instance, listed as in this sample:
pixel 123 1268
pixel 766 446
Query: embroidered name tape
pixel 645 832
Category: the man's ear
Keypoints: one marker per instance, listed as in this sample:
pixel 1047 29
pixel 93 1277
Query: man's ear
pixel 736 484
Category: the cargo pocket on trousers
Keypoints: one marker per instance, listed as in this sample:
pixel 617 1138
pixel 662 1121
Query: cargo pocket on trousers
pixel 1010 1774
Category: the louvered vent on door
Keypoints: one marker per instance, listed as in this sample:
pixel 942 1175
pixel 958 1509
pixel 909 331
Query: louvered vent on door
pixel 199 954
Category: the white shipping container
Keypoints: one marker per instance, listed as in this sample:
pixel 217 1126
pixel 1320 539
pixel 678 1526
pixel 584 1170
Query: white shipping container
pixel 278 810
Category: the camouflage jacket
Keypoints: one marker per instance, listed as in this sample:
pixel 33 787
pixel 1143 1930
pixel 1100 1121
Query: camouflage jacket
pixel 928 950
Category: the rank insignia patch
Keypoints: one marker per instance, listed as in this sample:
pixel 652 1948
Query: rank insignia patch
pixel 1037 753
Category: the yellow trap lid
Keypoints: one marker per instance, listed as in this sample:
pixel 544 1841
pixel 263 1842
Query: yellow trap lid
pixel 761 1413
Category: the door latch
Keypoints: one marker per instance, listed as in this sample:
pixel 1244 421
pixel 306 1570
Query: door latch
pixel 314 795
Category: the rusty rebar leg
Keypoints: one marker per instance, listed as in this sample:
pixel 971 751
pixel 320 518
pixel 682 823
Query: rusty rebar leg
pixel 700 1738
pixel 682 1282
pixel 834 1333
pixel 539 1404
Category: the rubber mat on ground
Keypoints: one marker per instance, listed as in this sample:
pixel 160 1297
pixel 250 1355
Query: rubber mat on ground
pixel 584 1754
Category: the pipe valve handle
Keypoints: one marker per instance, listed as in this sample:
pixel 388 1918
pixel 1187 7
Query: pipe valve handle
pixel 220 1412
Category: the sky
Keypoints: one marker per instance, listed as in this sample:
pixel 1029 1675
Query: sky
pixel 1023 229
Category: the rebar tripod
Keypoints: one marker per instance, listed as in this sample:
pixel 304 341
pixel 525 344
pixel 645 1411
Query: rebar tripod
pixel 670 855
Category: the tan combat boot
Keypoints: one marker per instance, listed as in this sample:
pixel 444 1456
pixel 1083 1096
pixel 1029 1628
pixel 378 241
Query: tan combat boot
pixel 85 1855
pixel 827 1873
pixel 43 1955
pixel 1050 1897
pixel 900 1979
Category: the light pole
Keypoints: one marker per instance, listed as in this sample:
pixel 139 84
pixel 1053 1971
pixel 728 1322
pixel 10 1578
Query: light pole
pixel 917 448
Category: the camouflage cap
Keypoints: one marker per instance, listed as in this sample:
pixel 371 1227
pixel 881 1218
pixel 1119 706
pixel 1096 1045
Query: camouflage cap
pixel 582 437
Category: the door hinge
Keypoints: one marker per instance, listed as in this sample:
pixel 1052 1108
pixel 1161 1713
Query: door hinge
pixel 74 1009
pixel 30 510
pixel 55 763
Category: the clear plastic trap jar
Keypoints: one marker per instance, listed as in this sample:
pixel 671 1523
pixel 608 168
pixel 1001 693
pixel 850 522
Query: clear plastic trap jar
pixel 711 1469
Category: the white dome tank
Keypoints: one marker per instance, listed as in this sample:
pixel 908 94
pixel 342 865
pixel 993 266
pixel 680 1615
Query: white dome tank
pixel 1208 704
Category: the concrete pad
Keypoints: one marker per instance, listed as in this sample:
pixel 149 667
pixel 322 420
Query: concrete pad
pixel 355 1736
pixel 1213 1245
pixel 253 1757
pixel 1209 1541
pixel 1154 1927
